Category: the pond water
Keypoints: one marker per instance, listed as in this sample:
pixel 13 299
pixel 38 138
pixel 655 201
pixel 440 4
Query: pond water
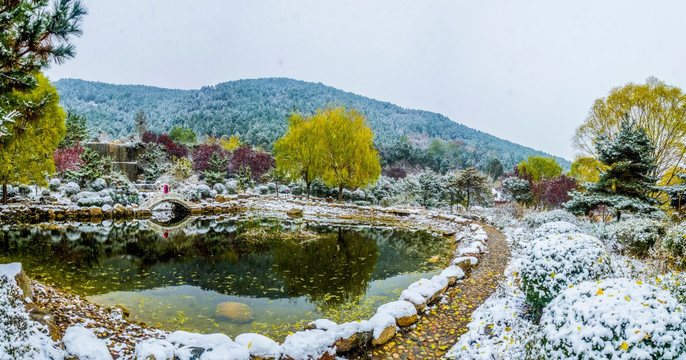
pixel 269 276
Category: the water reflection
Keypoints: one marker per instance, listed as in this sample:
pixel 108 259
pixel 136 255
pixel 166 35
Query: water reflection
pixel 287 271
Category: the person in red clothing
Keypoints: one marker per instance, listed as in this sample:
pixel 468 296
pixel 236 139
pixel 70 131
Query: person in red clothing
pixel 166 189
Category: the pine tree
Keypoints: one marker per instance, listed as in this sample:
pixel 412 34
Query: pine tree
pixel 90 169
pixel 473 184
pixel 627 183
pixel 141 123
pixel 76 131
pixel 216 169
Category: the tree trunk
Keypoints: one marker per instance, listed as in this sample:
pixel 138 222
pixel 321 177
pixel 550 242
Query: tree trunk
pixel 467 200
pixel 340 193
pixel 277 189
pixel 4 194
pixel 308 190
pixel 619 215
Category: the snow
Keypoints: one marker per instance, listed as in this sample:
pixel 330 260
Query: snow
pixel 453 271
pixel 397 309
pixel 207 341
pixel 10 271
pixel 346 330
pixel 226 351
pixel 614 317
pixel 323 324
pixel 155 349
pixel 427 288
pixel 84 345
pixel 259 345
pixel 471 259
pixel 380 322
pixel 308 345
pixel 555 227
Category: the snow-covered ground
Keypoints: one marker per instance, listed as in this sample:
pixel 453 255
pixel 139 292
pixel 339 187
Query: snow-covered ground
pixel 613 306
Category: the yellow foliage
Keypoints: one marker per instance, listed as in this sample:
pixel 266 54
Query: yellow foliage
pixel 26 154
pixel 586 169
pixel 230 144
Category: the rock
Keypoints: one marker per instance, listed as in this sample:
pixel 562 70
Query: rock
pixel 142 213
pixel 195 211
pixel 384 328
pixel 309 345
pixel 95 212
pixel 84 345
pixel 434 259
pixel 260 347
pixel 452 273
pixel 45 318
pixel 220 198
pixel 320 324
pixel 244 196
pixel 154 349
pixel 24 284
pixel 295 213
pixel 351 335
pixel 235 312
pixel 404 312
pixel 118 211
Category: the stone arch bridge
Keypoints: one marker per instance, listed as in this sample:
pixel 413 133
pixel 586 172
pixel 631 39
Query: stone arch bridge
pixel 153 200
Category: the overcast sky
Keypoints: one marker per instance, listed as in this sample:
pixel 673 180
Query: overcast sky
pixel 526 71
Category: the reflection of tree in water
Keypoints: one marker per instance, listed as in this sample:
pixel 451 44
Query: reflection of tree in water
pixel 330 270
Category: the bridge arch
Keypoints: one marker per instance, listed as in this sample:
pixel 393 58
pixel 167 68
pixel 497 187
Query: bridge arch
pixel 158 199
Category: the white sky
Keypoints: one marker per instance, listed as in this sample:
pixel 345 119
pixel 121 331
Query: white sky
pixel 526 71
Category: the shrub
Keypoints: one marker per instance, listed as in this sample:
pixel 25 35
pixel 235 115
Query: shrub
pixel 553 263
pixel 203 153
pixel 555 227
pixel 190 192
pixel 94 201
pixel 358 195
pixel 55 184
pixel 180 169
pixel 637 235
pixel 68 159
pixel 534 220
pixel 262 189
pixel 204 191
pixel 362 203
pixel 99 184
pixel 24 190
pixel 613 319
pixel 12 191
pixel 231 188
pixel 219 188
pixel 675 242
pixel 71 188
pixel 149 137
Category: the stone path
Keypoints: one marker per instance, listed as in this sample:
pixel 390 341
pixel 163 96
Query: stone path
pixel 436 332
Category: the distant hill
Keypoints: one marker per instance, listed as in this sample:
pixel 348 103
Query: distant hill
pixel 257 111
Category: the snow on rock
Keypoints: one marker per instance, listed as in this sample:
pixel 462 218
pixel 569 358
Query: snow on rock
pixel 226 351
pixel 403 311
pixel 155 349
pixel 259 345
pixel 84 345
pixel 351 335
pixel 10 271
pixel 480 237
pixel 309 345
pixel 321 324
pixel 452 273
pixel 206 341
pixel 555 227
pixel 383 326
pixel 553 263
pixel 470 259
pixel 615 318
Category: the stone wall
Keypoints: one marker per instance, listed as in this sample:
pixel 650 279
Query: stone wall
pixel 125 156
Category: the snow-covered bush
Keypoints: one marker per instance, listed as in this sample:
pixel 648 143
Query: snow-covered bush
pixel 204 191
pixel 12 191
pixel 534 220
pixel 283 189
pixel 262 190
pixel 24 190
pixel 636 235
pixel 45 192
pixel 98 184
pixel 358 195
pixel 94 201
pixel 219 188
pixel 55 184
pixel 675 242
pixel 362 203
pixel 231 188
pixel 272 187
pixel 612 319
pixel 347 195
pixel 190 192
pixel 71 188
pixel 553 263
pixel 555 227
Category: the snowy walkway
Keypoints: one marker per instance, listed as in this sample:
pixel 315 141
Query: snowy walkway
pixel 437 331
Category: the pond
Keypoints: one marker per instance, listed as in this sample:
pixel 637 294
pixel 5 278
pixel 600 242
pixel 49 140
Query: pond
pixel 235 275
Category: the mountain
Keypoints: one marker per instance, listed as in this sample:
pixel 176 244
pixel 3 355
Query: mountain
pixel 257 109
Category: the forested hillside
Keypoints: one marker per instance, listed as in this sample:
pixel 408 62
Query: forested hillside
pixel 256 110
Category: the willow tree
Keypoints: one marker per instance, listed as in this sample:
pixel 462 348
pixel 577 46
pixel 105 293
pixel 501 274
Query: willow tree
pixel 297 152
pixel 348 156
pixel 40 125
pixel 658 108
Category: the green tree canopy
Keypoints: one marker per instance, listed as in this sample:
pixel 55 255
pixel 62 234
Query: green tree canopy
pixel 658 108
pixel 473 184
pixel 76 130
pixel 628 181
pixel 40 124
pixel 539 168
pixel 183 135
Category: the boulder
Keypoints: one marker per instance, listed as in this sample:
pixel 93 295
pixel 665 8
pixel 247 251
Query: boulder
pixel 46 319
pixel 295 213
pixel 95 212
pixel 351 336
pixel 320 324
pixel 383 328
pixel 235 312
pixel 260 347
pixel 83 344
pixel 309 345
pixel 220 198
pixel 118 211
pixel 195 211
pixel 154 349
pixel 404 312
pixel 452 273
pixel 142 213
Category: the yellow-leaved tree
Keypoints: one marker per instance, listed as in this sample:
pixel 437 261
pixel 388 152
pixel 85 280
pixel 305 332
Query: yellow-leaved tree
pixel 349 159
pixel 658 108
pixel 335 145
pixel 296 153
pixel 26 153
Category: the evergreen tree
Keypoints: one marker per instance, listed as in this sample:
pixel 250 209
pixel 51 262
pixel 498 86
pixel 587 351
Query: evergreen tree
pixel 90 169
pixel 677 193
pixel 627 183
pixel 494 169
pixel 216 169
pixel 473 184
pixel 429 188
pixel 141 123
pixel 76 130
pixel 450 192
pixel 518 190
pixel 152 161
